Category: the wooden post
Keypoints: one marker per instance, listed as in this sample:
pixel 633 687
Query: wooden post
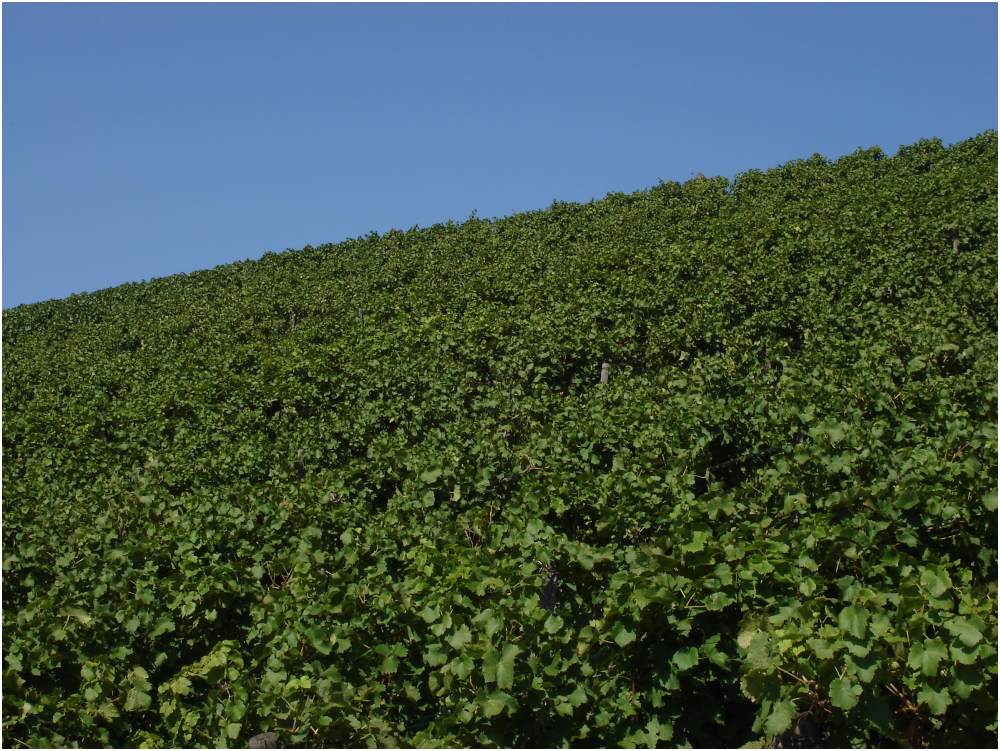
pixel 605 372
pixel 264 740
pixel 953 235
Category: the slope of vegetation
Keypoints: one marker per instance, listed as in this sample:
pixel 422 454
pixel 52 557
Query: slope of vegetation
pixel 373 493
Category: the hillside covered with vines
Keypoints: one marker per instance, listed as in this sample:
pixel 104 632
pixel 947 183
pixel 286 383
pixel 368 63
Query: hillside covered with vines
pixel 375 494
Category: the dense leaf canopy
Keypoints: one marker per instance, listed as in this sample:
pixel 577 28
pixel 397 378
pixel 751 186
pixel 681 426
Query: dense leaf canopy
pixel 374 493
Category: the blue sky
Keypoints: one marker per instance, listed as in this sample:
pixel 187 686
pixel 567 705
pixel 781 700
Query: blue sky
pixel 146 140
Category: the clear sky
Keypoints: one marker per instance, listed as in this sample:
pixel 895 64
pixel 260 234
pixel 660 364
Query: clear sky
pixel 145 140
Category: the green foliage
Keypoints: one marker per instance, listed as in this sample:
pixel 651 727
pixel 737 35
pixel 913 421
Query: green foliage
pixel 372 494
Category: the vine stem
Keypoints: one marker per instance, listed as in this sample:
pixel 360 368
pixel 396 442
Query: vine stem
pixel 804 681
pixel 908 705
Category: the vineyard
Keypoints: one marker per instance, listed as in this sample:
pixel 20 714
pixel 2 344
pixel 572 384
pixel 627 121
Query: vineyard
pixel 376 494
